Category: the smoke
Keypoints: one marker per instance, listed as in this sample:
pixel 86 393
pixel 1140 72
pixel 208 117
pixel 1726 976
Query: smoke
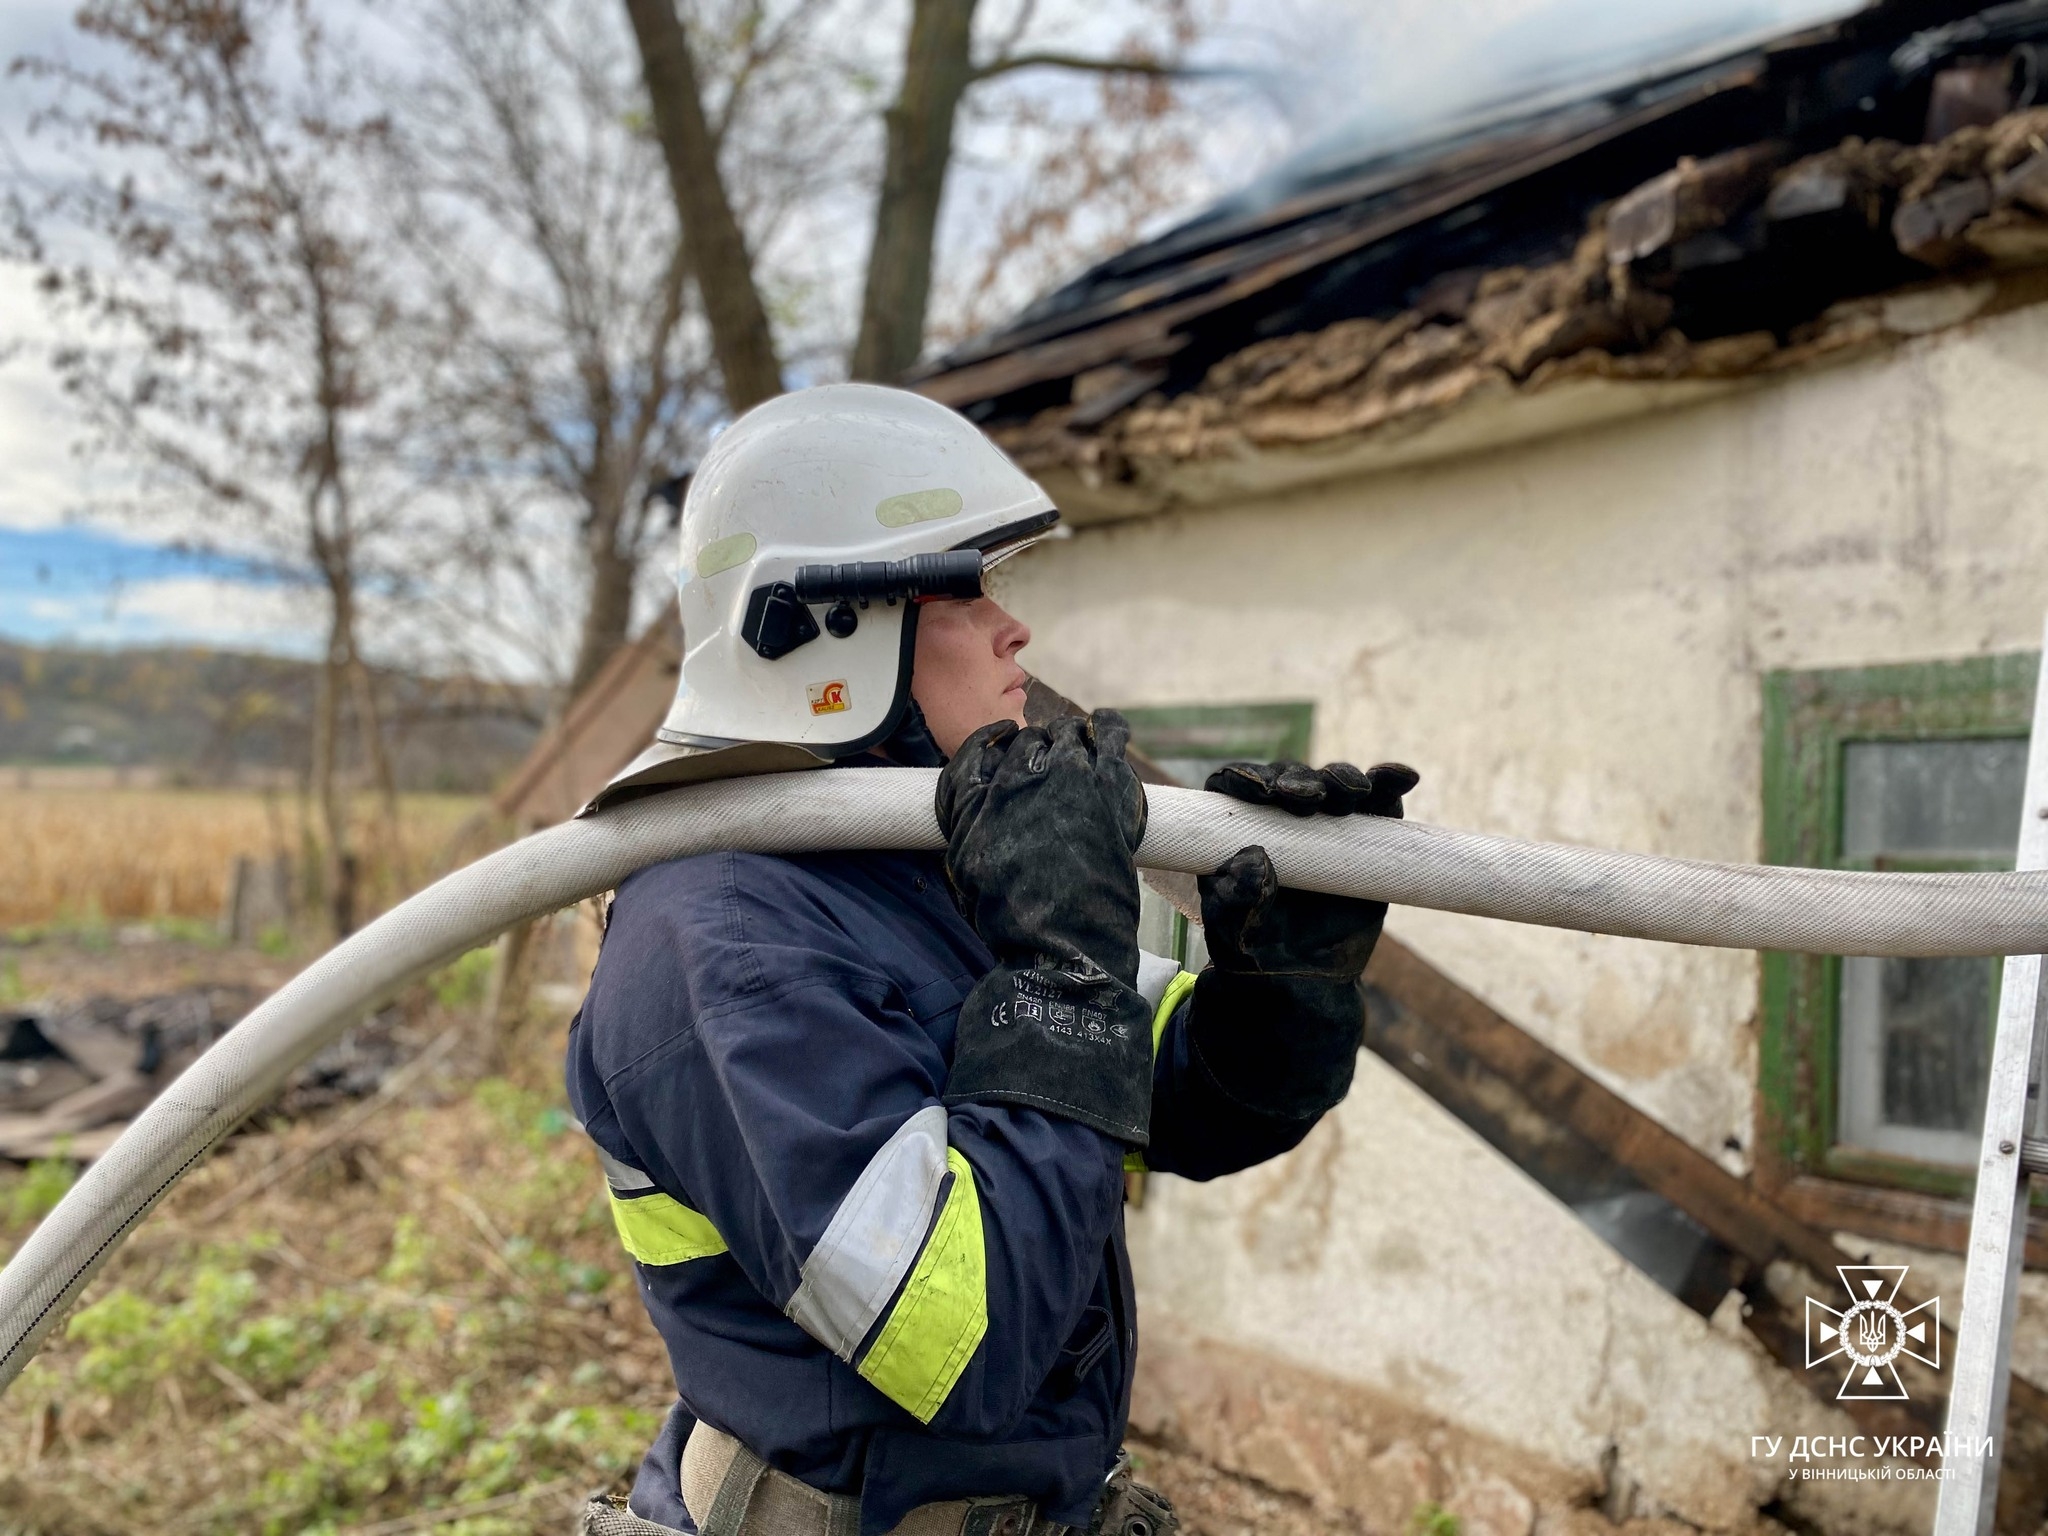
pixel 1356 79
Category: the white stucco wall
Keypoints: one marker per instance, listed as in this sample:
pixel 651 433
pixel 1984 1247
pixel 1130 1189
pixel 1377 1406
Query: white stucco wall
pixel 1566 637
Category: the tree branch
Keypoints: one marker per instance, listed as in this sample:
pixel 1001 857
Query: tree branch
pixel 712 241
pixel 1151 67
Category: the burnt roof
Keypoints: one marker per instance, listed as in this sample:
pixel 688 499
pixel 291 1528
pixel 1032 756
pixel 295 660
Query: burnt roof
pixel 1366 239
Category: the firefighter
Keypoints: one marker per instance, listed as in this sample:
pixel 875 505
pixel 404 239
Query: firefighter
pixel 864 1117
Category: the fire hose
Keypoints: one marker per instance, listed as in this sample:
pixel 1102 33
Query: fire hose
pixel 1405 863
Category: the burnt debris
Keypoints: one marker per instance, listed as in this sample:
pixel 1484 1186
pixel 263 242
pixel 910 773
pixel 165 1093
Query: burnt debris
pixel 72 1078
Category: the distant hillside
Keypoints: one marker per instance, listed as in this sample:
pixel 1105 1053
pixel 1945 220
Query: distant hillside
pixel 210 716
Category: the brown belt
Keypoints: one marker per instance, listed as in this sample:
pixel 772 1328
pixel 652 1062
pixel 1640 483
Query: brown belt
pixel 729 1491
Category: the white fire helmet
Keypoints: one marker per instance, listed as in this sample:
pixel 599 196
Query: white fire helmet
pixel 813 529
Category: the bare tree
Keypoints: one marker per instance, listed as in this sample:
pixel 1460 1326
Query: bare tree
pixel 558 277
pixel 938 70
pixel 231 304
pixel 1057 175
pixel 577 365
pixel 714 246
pixel 582 359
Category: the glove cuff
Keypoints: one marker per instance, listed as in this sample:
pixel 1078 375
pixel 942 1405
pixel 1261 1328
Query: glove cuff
pixel 1285 1046
pixel 1072 1046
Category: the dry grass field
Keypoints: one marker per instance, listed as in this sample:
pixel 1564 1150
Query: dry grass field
pixel 84 855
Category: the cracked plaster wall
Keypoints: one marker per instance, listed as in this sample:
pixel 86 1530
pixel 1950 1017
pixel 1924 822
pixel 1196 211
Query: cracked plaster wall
pixel 1565 637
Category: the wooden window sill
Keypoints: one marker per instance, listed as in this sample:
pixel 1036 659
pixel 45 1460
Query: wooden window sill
pixel 1895 1215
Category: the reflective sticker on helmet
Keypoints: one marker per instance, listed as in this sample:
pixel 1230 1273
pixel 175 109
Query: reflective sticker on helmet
pixel 829 698
pixel 723 554
pixel 918 507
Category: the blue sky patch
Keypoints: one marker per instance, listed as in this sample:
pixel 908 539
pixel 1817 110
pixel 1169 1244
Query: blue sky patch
pixel 83 585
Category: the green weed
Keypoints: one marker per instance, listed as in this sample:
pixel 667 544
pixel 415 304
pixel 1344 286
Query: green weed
pixel 356 1463
pixel 442 1428
pixel 118 1330
pixel 412 1253
pixel 275 1351
pixel 36 1193
pixel 85 924
pixel 196 931
pixel 443 1451
pixel 1432 1519
pixel 607 1438
pixel 133 1342
pixel 463 984
pixel 530 1118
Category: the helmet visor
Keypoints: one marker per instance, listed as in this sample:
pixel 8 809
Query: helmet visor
pixel 1001 543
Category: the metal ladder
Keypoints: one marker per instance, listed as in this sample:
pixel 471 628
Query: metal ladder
pixel 2014 1147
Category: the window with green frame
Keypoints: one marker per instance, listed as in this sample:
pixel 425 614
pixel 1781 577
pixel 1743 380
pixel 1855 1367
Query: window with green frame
pixel 1873 1070
pixel 1191 741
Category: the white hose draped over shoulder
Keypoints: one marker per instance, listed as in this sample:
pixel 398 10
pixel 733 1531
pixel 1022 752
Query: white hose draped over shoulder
pixel 1403 862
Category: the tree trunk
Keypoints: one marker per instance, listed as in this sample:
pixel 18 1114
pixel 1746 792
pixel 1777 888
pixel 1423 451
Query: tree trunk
pixel 337 862
pixel 936 72
pixel 608 613
pixel 712 242
pixel 370 726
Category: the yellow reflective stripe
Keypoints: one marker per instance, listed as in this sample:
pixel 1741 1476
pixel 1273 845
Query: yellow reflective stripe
pixel 658 1230
pixel 939 1320
pixel 1176 989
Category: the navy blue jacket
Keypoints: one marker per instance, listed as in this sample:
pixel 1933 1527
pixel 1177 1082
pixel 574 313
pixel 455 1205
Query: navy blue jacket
pixel 874 1292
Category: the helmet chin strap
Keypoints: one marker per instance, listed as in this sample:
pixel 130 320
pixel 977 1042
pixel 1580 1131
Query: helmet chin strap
pixel 911 745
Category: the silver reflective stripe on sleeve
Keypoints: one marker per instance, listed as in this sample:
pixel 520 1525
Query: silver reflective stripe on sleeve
pixel 624 1180
pixel 873 1236
pixel 1155 972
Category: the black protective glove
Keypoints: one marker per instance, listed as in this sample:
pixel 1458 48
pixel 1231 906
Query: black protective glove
pixel 1278 1016
pixel 1041 824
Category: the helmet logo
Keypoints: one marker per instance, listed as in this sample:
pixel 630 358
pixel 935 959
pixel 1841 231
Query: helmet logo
pixel 723 554
pixel 918 507
pixel 829 698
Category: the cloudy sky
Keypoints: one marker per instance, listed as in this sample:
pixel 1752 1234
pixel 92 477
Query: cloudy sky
pixel 64 573
pixel 1343 74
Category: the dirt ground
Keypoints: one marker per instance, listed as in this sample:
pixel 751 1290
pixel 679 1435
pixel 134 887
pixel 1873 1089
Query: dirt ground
pixel 136 960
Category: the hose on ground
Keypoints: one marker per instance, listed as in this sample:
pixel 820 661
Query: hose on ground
pixel 1406 863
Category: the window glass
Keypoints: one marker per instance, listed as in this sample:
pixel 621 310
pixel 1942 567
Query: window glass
pixel 1915 1038
pixel 1190 742
pixel 1952 799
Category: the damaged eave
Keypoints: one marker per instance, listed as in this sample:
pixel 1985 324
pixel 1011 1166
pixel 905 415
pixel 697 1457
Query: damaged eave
pixel 1147 465
pixel 1488 358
